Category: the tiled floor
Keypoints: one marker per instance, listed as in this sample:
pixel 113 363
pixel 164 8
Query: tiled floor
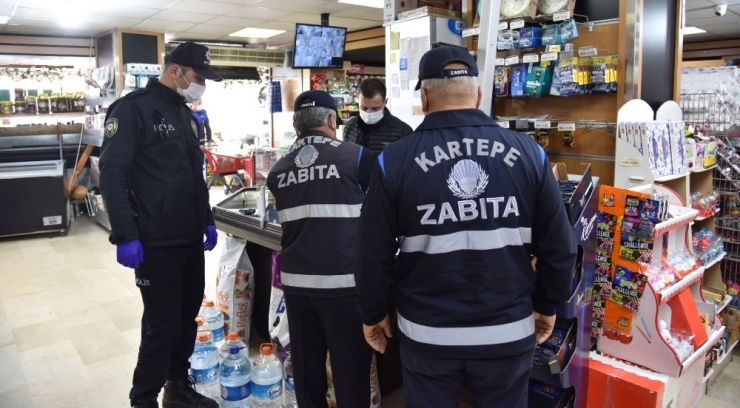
pixel 70 318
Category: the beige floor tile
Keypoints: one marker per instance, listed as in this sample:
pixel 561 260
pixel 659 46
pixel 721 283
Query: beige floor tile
pixel 87 312
pixel 17 398
pixel 35 246
pixel 98 341
pixel 40 335
pixel 22 284
pixel 28 309
pixel 133 337
pixel 106 288
pixel 125 313
pixel 54 374
pixel 6 333
pixel 112 381
pixel 11 370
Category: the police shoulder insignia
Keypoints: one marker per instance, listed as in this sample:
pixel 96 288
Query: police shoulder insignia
pixel 111 127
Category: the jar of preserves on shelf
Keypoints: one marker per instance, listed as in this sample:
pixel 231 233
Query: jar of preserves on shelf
pixel 20 107
pixel 31 108
pixel 53 103
pixel 70 97
pixel 6 107
pixel 79 102
pixel 20 94
pixel 44 103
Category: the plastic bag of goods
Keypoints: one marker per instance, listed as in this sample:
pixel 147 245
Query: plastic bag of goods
pixel 234 287
pixel 331 397
pixel 277 315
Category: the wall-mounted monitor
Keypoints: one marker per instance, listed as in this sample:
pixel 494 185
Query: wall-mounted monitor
pixel 318 46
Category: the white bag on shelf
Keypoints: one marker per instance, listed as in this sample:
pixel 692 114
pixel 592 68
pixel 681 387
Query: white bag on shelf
pixel 234 288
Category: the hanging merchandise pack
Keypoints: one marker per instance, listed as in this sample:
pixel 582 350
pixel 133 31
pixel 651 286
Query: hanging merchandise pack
pixel 539 80
pixel 235 288
pixel 604 74
pixel 560 33
pixel 518 79
pixel 501 81
pixel 278 315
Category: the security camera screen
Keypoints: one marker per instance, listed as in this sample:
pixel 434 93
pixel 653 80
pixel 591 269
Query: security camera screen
pixel 319 46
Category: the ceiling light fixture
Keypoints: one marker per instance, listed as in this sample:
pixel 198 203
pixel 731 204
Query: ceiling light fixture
pixel 250 32
pixel 692 30
pixel 4 19
pixel 365 3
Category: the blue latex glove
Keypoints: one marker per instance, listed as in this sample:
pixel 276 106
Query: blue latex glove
pixel 211 237
pixel 130 254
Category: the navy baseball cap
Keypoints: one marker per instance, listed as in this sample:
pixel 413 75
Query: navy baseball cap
pixel 195 56
pixel 432 64
pixel 316 99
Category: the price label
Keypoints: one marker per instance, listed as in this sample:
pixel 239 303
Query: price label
pixel 554 48
pixel 549 56
pixel 504 124
pixel 587 52
pixel 504 25
pixel 567 127
pixel 500 61
pixel 513 60
pixel 517 24
pixel 631 162
pixel 542 124
pixel 564 15
pixel 470 32
pixel 531 58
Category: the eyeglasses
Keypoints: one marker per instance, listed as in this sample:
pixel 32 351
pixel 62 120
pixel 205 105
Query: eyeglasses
pixel 161 125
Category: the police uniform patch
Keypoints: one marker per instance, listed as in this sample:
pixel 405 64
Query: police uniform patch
pixel 111 127
pixel 306 157
pixel 467 180
pixel 194 126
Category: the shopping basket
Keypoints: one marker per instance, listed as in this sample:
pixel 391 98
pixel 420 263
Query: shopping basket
pixel 223 165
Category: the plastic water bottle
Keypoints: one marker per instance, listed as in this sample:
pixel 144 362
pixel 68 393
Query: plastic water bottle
pixel 202 327
pixel 233 340
pixel 204 366
pixel 290 398
pixel 236 380
pixel 215 320
pixel 267 379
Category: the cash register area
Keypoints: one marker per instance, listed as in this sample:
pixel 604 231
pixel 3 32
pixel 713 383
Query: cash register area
pixel 70 319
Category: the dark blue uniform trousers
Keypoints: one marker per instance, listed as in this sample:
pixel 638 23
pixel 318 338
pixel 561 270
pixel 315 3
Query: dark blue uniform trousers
pixel 171 281
pixel 438 383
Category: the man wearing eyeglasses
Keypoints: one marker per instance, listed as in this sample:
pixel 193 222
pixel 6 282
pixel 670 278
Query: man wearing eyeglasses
pixel 157 200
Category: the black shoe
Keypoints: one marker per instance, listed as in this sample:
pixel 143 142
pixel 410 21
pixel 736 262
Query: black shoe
pixel 149 403
pixel 182 394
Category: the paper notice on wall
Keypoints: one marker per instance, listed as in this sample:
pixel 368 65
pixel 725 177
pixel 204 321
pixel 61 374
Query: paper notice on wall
pixel 395 40
pixel 394 58
pixel 418 46
pixel 404 63
pixel 396 92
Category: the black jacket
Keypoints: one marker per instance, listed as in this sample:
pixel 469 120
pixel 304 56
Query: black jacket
pixel 375 137
pixel 151 170
pixel 468 202
pixel 319 188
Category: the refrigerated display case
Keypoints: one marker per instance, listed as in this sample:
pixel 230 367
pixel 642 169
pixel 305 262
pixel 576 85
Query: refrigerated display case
pixel 33 198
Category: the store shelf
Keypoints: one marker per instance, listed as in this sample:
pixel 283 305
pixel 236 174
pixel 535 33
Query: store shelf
pixel 678 287
pixel 727 353
pixel 38 115
pixel 681 216
pixel 715 260
pixel 725 303
pixel 702 170
pixel 708 376
pixel 671 177
pixel 714 213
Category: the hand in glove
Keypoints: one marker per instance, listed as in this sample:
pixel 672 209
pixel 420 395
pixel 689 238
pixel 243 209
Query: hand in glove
pixel 130 254
pixel 211 237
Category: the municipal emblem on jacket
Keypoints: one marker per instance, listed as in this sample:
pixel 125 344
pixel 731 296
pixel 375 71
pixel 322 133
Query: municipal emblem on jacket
pixel 467 180
pixel 111 127
pixel 306 156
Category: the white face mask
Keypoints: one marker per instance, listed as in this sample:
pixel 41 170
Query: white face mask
pixel 371 118
pixel 194 91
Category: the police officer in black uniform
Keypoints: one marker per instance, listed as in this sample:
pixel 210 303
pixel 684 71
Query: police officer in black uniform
pixel 466 202
pixel 152 182
pixel 319 188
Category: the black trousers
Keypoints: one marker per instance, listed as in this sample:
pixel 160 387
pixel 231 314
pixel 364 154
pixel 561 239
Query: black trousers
pixel 333 324
pixel 171 281
pixel 493 383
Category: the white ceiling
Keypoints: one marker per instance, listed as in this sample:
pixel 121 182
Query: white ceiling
pixel 700 13
pixel 204 20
